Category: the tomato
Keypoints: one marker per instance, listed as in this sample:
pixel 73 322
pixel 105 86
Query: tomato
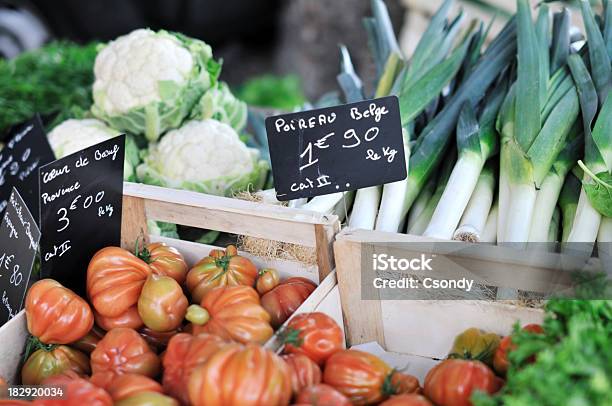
pixel 282 301
pixel 88 343
pixel 124 351
pixel 452 382
pixel 147 399
pixel 322 395
pixel 156 340
pixel 220 268
pixel 267 280
pixel 404 383
pixel 162 304
pixel 235 314
pixel 407 400
pixel 362 377
pixel 184 353
pixel 11 402
pixel 129 319
pixel 315 335
pixel 44 363
pixel 500 359
pixel 475 344
pixel 114 280
pixel 55 314
pixel 76 392
pixel 241 376
pixel 127 385
pixel 304 371
pixel 165 261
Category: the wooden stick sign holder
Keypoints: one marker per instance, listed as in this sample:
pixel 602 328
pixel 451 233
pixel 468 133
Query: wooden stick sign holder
pixel 301 227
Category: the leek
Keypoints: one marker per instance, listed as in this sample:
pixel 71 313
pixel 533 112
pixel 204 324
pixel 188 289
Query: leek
pixel 555 224
pixel 421 202
pixel 568 201
pixel 489 232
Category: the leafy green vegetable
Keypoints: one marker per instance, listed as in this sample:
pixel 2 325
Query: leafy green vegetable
pixel 599 191
pixel 279 92
pixel 53 79
pixel 219 103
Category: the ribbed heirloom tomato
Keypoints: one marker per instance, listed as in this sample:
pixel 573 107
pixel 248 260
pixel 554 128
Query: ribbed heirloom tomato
pixel 162 304
pixel 240 375
pixel 184 353
pixel 452 382
pixel 114 281
pixel 147 399
pixel 44 363
pixel 315 335
pixel 267 280
pixel 364 378
pixel 127 385
pixel 411 399
pixel 123 351
pixel 321 395
pixel 129 319
pixel 282 301
pixel 55 314
pixel 220 268
pixel 304 371
pixel 234 314
pixel 165 261
pixel 75 392
pixel 88 342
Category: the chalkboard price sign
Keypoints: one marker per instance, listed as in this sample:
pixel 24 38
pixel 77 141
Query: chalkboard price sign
pixel 80 210
pixel 19 237
pixel 336 149
pixel 26 150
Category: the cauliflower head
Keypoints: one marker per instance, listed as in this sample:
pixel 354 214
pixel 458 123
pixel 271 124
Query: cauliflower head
pixel 219 103
pixel 147 82
pixel 205 156
pixel 74 135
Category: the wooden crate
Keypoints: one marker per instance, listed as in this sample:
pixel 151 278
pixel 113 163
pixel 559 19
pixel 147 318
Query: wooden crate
pixel 418 333
pixel 143 202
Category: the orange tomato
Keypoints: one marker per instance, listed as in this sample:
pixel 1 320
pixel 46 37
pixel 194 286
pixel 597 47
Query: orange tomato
pixel 123 351
pixel 162 304
pixel 220 268
pixel 407 400
pixel 127 385
pixel 45 363
pixel 362 377
pixel 304 371
pixel 165 261
pixel 239 375
pixel 282 301
pixel 267 280
pixel 404 383
pixel 315 335
pixel 11 402
pixel 184 353
pixel 55 314
pixel 129 319
pixel 500 359
pixel 76 392
pixel 114 281
pixel 452 382
pixel 235 314
pixel 322 395
pixel 147 399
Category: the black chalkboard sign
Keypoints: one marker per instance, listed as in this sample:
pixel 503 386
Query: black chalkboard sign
pixel 25 151
pixel 335 149
pixel 19 237
pixel 80 210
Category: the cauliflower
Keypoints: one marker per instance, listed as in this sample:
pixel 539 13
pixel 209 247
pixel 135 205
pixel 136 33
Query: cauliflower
pixel 147 82
pixel 205 156
pixel 219 103
pixel 75 135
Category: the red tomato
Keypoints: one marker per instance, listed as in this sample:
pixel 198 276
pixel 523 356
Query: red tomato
pixel 404 383
pixel 452 382
pixel 282 301
pixel 304 371
pixel 127 385
pixel 411 399
pixel 156 340
pixel 129 319
pixel 220 268
pixel 315 335
pixel 322 395
pixel 124 351
pixel 55 314
pixel 267 280
pixel 235 314
pixel 114 280
pixel 10 402
pixel 239 375
pixel 45 363
pixel 165 261
pixel 162 304
pixel 76 392
pixel 362 377
pixel 184 353
pixel 88 343
pixel 500 359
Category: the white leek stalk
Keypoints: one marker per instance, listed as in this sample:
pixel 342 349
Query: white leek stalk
pixel 489 233
pixel 365 208
pixel 477 211
pixel 421 202
pixel 390 216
